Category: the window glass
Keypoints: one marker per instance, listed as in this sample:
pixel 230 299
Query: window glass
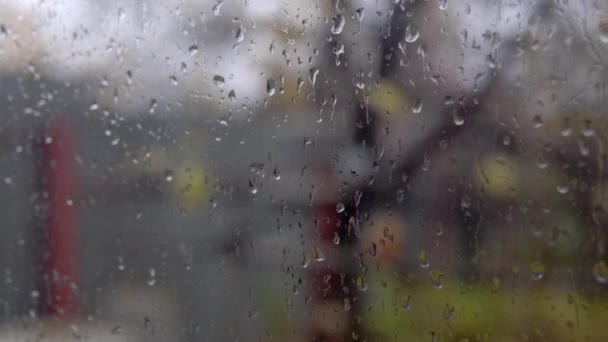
pixel 303 170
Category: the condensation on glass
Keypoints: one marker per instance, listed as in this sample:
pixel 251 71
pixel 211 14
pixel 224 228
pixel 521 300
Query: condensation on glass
pixel 303 170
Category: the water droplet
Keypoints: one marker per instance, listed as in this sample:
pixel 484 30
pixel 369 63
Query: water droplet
pixel 312 75
pixel 232 96
pixel 563 188
pixel 336 239
pixel 151 277
pixel 152 106
pixel 411 33
pixel 360 80
pixel 121 263
pixel 443 5
pixel 537 121
pixel 360 14
pixel 361 284
pixel 318 254
pixel 270 86
pixel 603 30
pixel 275 174
pixel 253 189
pixel 337 50
pixel 304 260
pixel 75 332
pixel 69 202
pixel 193 49
pixel 458 119
pixel 600 272
pixel 94 106
pixel 448 312
pixel 346 304
pixel 537 270
pixel 240 34
pixel 338 24
pixel 417 107
pixel 252 314
pixel 491 62
pixel 587 130
pixel 217 8
pixel 168 175
pixel 173 80
pixel 340 207
pixel 436 279
pixel 400 195
pixel 423 257
pixel 219 81
pixel 407 303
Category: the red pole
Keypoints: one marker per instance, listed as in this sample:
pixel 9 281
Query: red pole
pixel 58 151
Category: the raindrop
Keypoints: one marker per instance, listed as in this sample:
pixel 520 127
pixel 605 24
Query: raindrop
pixel 448 312
pixel 270 87
pixel 537 121
pixel 587 130
pixel 491 62
pixel 232 96
pixel 151 277
pixel 346 304
pixel 411 33
pixel 338 24
pixel 193 49
pixel 252 314
pixel 121 263
pixel 537 270
pixel 400 195
pixel 217 8
pixel 436 279
pixel 443 5
pixel 336 239
pixel 240 34
pixel 603 29
pixel 75 332
pixel 168 175
pixel 423 257
pixel 340 207
pixel 361 284
pixel 408 302
pixel 304 260
pixel 600 272
pixel 417 107
pixel 275 174
pixel 312 75
pixel 563 188
pixel 69 202
pixel 318 254
pixel 458 119
pixel 359 81
pixel 253 189
pixel 360 14
pixel 337 50
pixel 219 81
pixel 94 106
pixel 173 80
pixel 152 106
